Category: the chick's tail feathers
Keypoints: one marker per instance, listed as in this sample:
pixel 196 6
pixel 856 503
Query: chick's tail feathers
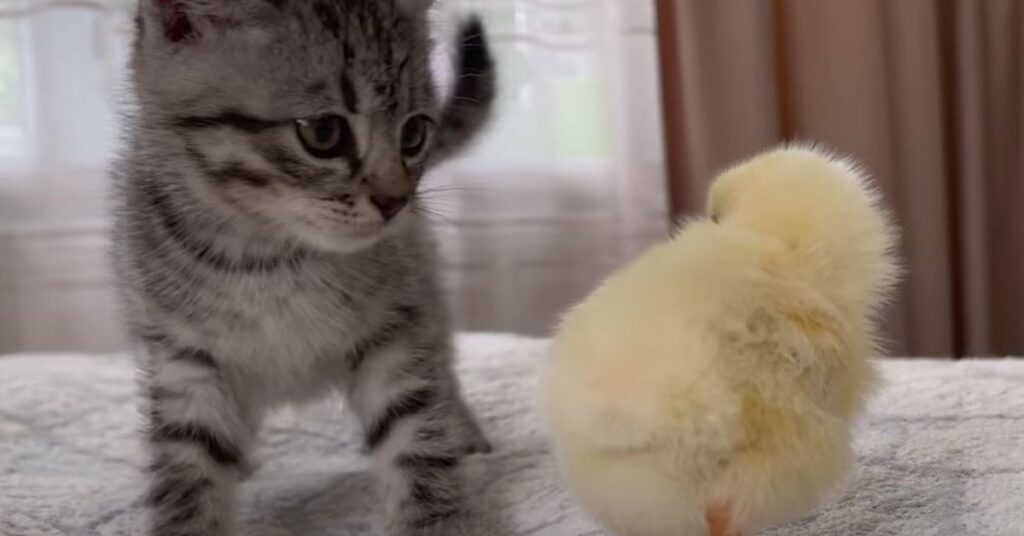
pixel 829 219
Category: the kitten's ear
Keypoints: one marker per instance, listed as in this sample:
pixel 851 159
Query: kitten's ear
pixel 174 19
pixel 181 20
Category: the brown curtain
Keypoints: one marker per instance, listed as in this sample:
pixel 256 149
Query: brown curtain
pixel 928 93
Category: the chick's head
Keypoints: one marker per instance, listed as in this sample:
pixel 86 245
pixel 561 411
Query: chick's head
pixel 825 213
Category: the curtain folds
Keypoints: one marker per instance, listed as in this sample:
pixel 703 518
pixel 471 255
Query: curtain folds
pixel 927 93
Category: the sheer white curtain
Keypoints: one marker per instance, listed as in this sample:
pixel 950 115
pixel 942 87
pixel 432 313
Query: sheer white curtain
pixel 567 185
pixel 59 78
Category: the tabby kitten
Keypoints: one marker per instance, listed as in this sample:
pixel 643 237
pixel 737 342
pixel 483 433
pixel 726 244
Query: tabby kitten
pixel 269 250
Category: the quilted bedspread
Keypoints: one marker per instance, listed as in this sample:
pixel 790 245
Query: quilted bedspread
pixel 941 454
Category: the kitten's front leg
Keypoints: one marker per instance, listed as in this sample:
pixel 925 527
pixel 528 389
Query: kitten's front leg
pixel 198 435
pixel 474 440
pixel 413 419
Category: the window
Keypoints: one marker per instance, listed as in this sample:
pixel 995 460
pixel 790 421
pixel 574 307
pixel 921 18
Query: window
pixel 10 75
pixel 554 104
pixel 13 96
pixel 577 128
pixel 60 69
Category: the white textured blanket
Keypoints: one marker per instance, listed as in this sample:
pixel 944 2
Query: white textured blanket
pixel 942 455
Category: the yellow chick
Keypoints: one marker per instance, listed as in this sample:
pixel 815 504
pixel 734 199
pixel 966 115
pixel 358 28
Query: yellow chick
pixel 711 386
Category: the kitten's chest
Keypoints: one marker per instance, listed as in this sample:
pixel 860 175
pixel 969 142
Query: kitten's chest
pixel 289 339
pixel 298 316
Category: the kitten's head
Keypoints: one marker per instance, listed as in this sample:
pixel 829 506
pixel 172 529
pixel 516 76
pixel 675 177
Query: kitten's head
pixel 314 117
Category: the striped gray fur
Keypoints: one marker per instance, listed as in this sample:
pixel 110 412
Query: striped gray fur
pixel 259 253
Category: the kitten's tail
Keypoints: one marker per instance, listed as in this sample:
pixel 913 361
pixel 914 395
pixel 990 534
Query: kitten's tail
pixel 472 102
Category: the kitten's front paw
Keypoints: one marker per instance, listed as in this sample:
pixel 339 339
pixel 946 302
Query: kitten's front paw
pixel 462 526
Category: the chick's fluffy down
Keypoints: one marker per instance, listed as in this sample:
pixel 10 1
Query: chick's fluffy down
pixel 725 366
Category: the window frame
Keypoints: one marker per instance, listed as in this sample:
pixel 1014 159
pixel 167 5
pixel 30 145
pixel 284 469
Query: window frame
pixel 17 141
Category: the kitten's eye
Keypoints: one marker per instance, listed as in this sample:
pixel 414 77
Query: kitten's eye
pixel 415 134
pixel 328 136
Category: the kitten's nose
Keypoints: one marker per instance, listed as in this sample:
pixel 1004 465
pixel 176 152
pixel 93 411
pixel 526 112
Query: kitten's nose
pixel 389 206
